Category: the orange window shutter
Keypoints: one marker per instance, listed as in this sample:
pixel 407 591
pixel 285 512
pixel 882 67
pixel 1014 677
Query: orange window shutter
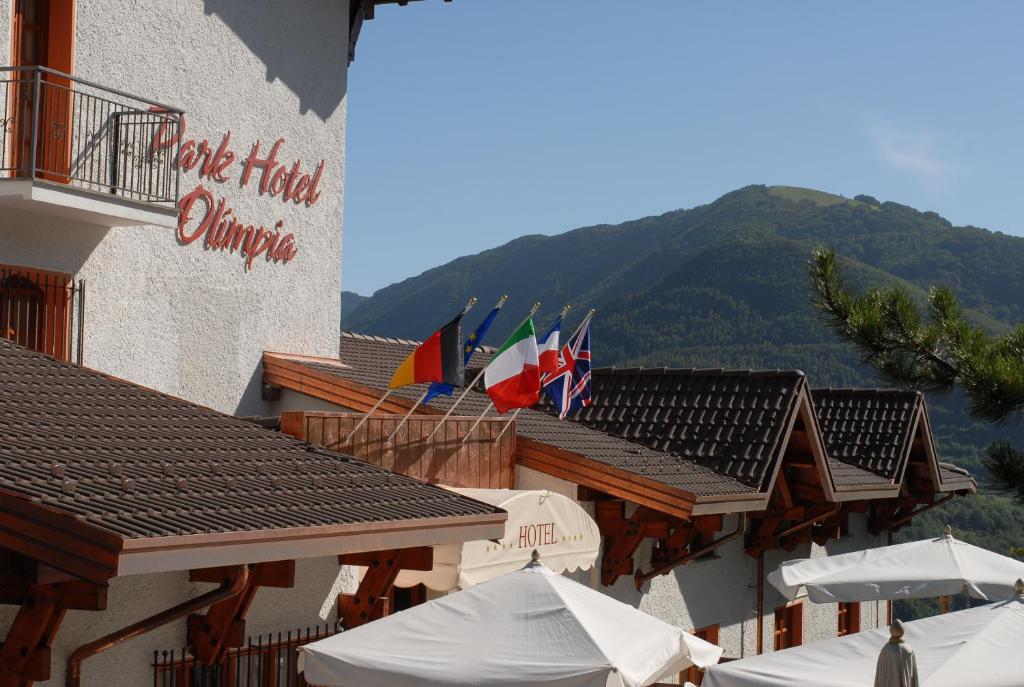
pixel 796 625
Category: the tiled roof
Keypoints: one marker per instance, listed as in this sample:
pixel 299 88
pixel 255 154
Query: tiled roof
pixel 845 475
pixel 868 428
pixel 141 464
pixel 370 361
pixel 951 475
pixel 731 421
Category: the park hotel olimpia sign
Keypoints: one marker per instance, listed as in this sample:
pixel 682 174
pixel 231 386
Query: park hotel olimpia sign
pixel 204 215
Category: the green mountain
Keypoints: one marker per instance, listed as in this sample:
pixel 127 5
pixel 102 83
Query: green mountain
pixel 350 300
pixel 723 285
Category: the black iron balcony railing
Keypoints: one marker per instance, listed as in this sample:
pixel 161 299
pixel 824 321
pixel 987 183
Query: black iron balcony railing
pixel 60 129
pixel 266 660
pixel 43 311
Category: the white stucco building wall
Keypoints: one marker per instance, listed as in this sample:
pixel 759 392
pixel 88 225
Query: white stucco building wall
pixel 183 319
pixel 312 600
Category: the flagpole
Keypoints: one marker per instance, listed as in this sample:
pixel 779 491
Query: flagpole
pixel 565 311
pixel 477 423
pixel 363 420
pixel 387 442
pixel 534 309
pixel 469 306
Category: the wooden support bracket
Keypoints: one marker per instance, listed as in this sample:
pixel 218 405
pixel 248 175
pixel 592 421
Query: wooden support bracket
pixel 881 517
pixel 222 627
pixel 25 653
pixel 382 567
pixel 674 546
pixel 623 535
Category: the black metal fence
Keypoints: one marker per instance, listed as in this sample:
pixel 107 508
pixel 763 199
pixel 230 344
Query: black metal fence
pixel 63 130
pixel 43 311
pixel 265 661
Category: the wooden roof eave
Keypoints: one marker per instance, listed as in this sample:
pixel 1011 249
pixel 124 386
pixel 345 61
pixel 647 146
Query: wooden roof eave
pixel 90 552
pixel 818 449
pixel 186 552
pixel 287 373
pixel 593 474
pixel 865 492
pixel 802 405
pixel 58 538
pixel 965 486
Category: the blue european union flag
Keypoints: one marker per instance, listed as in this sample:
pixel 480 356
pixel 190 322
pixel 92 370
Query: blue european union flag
pixel 475 339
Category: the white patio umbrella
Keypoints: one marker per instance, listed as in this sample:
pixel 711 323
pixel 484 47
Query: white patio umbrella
pixel 529 627
pixel 978 646
pixel 914 570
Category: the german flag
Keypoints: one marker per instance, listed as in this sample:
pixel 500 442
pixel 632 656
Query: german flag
pixel 438 359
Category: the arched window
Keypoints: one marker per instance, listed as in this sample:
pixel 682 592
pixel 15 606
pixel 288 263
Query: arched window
pixel 21 311
pixel 35 309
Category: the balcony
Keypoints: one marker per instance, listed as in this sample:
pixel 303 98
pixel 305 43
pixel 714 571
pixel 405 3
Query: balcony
pixel 42 311
pixel 73 149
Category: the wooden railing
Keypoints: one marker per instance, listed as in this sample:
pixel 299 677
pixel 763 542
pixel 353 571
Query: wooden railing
pixel 481 460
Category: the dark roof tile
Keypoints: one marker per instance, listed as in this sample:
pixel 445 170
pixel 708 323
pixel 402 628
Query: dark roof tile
pixel 868 428
pixel 143 464
pixel 730 421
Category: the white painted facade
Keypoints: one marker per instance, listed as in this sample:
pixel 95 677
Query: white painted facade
pixel 184 319
pixel 318 582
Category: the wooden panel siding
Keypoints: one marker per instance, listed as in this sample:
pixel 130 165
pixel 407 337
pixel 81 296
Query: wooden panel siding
pixel 479 463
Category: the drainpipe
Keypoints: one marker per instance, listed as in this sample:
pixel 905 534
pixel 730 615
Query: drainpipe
pixel 642 577
pixel 907 518
pixel 760 604
pixel 225 591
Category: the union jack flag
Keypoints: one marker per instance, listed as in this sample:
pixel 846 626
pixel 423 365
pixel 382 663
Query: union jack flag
pixel 568 386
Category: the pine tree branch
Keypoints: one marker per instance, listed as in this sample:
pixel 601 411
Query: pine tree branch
pixel 946 353
pixel 1006 467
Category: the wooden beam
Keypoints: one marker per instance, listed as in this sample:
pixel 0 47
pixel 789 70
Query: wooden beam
pixel 382 567
pixel 674 546
pixel 587 494
pixel 19 575
pixel 418 558
pixel 881 516
pixel 623 535
pixel 807 492
pixel 222 627
pixel 279 574
pixel 25 653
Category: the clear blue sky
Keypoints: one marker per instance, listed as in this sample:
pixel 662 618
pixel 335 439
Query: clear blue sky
pixel 477 121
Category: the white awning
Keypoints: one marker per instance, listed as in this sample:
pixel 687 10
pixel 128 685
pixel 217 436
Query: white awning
pixel 529 627
pixel 914 570
pixel 556 526
pixel 978 646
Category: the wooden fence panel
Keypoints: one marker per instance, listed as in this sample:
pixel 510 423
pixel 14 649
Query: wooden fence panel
pixel 482 461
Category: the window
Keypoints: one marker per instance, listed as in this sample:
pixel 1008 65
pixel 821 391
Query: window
pixel 849 618
pixel 402 598
pixel 43 35
pixel 35 310
pixel 693 673
pixel 789 626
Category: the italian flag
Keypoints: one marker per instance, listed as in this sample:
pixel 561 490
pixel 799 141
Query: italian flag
pixel 513 377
